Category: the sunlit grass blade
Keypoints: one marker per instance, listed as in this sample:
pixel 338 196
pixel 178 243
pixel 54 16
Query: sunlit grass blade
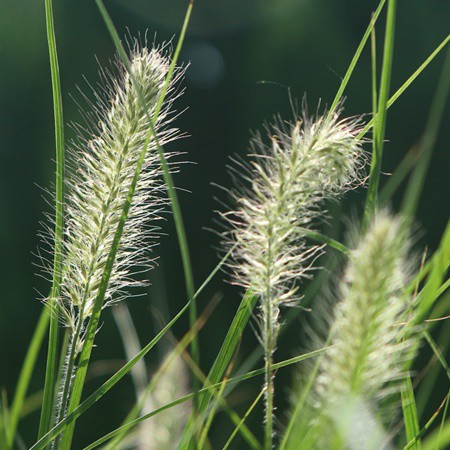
pixel 381 114
pixel 417 178
pixel 25 375
pixel 355 59
pixel 223 358
pixel 244 418
pixel 234 380
pixel 410 415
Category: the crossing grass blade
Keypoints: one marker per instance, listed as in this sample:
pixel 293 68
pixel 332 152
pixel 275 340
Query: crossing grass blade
pixel 175 205
pixel 203 391
pixel 223 358
pixel 244 418
pixel 400 91
pixel 355 59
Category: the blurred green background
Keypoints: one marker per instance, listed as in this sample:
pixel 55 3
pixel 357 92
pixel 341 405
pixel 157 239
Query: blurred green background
pixel 232 45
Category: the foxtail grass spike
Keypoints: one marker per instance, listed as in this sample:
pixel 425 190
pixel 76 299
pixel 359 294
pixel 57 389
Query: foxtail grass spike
pixel 284 184
pixel 371 341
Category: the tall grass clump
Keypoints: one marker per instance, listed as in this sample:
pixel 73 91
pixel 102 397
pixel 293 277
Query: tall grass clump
pixel 284 185
pixel 359 389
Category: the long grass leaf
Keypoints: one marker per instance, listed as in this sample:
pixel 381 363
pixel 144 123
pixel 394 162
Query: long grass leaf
pixel 94 320
pixel 26 373
pixel 399 92
pixel 381 113
pixel 355 59
pixel 244 418
pixel 51 367
pixel 175 205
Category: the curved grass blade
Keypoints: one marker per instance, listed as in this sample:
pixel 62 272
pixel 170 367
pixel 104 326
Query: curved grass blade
pixel 222 360
pixel 97 308
pixel 410 416
pixel 408 82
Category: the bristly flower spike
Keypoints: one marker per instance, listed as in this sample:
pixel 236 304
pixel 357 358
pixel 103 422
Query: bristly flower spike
pixel 103 164
pixel 285 182
pixel 370 337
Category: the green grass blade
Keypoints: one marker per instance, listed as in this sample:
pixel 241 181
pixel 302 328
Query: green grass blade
pixel 223 358
pixel 408 82
pixel 417 179
pixel 410 415
pixel 380 118
pixel 175 205
pixel 203 391
pixel 324 239
pixel 244 418
pixel 25 375
pixel 426 427
pixel 438 267
pixel 356 57
pixel 52 356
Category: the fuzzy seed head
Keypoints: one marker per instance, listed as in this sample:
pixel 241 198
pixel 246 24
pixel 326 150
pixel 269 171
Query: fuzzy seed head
pixel 103 163
pixel 285 182
pixel 368 339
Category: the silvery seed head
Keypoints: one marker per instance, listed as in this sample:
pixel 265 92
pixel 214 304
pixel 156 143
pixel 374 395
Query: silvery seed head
pixel 280 194
pixel 283 187
pixel 103 164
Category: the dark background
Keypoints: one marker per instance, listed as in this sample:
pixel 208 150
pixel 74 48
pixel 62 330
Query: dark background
pixel 232 45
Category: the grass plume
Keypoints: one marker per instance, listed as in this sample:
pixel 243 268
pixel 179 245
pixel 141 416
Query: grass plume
pixel 286 180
